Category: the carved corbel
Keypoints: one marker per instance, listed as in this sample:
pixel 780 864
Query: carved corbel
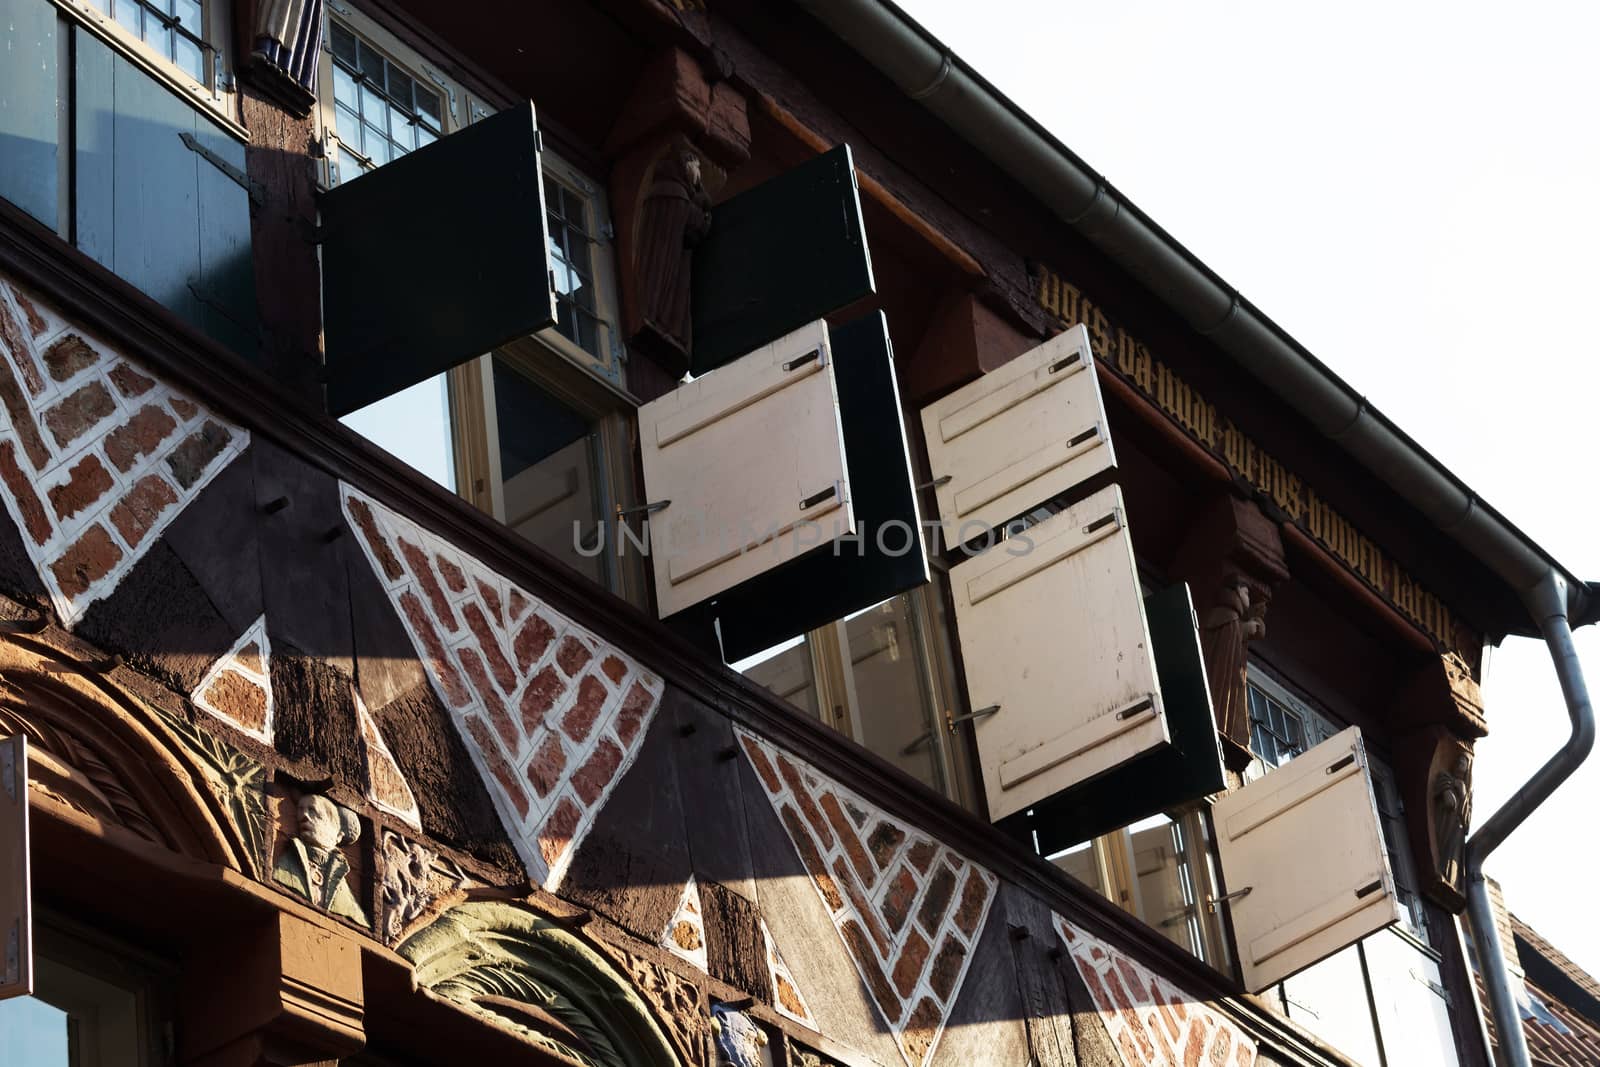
pixel 1233 560
pixel 1439 714
pixel 672 145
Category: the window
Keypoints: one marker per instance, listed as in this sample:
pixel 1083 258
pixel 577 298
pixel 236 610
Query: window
pixel 174 30
pixel 883 676
pixel 536 434
pixel 104 140
pixel 94 1006
pixel 1162 870
pixel 1380 1000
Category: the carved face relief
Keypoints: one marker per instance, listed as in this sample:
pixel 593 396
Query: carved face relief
pixel 311 863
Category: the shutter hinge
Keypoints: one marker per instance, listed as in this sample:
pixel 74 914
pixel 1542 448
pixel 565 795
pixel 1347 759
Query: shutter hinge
pixel 254 188
pixel 439 80
pixel 1438 990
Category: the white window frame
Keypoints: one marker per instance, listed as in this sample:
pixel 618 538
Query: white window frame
pixel 217 94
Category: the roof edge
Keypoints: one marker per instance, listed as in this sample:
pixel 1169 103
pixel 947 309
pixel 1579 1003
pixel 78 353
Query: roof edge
pixel 928 72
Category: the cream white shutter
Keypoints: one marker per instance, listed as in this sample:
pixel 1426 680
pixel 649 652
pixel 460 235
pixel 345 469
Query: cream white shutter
pixel 751 458
pixel 1023 433
pixel 1302 854
pixel 1053 632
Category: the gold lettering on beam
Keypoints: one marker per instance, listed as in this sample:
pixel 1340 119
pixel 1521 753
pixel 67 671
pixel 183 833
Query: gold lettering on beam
pixel 1131 360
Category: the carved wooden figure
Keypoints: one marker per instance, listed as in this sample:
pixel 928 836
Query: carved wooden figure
pixel 675 217
pixel 1225 635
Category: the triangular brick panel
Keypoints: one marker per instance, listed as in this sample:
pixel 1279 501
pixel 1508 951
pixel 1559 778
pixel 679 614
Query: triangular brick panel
pixel 238 687
pixel 786 997
pixel 551 714
pixel 685 935
pixel 97 456
pixel 1150 1020
pixel 908 909
pixel 387 787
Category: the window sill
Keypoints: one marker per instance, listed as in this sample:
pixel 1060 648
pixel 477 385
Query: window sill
pixel 215 106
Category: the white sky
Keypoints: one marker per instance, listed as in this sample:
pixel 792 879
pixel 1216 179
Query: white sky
pixel 1411 191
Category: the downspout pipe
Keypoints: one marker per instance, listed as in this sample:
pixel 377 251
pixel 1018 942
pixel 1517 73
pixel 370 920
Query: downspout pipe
pixel 927 72
pixel 1547 603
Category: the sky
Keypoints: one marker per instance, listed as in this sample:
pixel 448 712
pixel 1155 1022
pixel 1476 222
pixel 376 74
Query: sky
pixel 1409 190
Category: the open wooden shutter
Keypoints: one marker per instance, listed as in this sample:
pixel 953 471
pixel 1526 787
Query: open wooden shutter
pixel 16 920
pixel 1163 777
pixel 1053 633
pixel 1302 854
pixel 886 555
pixel 1018 436
pixel 745 459
pixel 777 256
pixel 410 291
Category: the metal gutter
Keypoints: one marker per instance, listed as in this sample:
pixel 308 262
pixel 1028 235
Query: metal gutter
pixel 1547 604
pixel 928 72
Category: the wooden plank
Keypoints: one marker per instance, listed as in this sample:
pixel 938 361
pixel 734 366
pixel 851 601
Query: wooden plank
pixel 303 584
pixel 634 863
pixel 223 515
pixel 736 952
pixel 989 1022
pixel 1040 960
pixel 823 971
pixel 16 895
pixel 30 129
pixel 719 843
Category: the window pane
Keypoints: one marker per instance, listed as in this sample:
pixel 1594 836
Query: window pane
pixel 369 62
pixel 188 14
pixel 372 105
pixel 127 12
pixel 891 696
pixel 344 88
pixel 1326 999
pixel 786 670
pixel 547 472
pixel 413 425
pixel 349 166
pixel 1082 863
pixel 187 55
pixel 428 105
pixel 344 44
pixel 34 1033
pixel 376 145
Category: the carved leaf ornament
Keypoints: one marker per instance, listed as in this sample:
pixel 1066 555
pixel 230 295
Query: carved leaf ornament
pixel 528 975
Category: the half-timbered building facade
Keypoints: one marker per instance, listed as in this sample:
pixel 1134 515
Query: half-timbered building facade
pixel 652 532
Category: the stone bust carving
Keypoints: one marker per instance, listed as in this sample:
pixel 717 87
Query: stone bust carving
pixel 311 863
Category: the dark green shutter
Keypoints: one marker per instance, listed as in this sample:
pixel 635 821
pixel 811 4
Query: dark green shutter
pixel 787 252
pixel 435 259
pixel 823 586
pixel 1185 770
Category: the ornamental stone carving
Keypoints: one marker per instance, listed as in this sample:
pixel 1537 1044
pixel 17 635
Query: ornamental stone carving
pixel 311 863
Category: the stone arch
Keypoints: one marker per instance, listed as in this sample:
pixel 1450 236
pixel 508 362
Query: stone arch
pixel 531 976
pixel 102 750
